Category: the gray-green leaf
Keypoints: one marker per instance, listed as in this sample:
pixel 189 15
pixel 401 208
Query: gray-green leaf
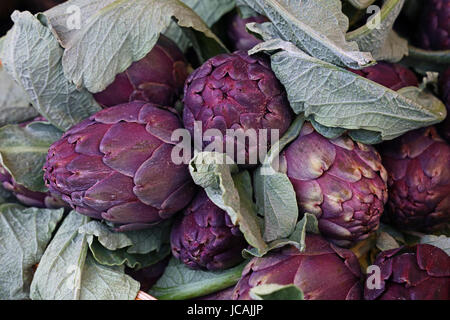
pixel 32 56
pixel 276 292
pixel 179 282
pixel 338 98
pixel 68 272
pixel 24 235
pixel 23 151
pixel 317 27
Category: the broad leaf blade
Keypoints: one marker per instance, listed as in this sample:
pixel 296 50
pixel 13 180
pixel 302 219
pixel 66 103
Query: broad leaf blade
pixel 317 27
pixel 276 292
pixel 24 235
pixel 179 282
pixel 23 151
pixel 32 56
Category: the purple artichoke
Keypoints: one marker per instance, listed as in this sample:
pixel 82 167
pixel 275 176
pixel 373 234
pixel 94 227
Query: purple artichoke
pixel 237 32
pixel 393 76
pixel 418 166
pixel 204 237
pixel 116 165
pixel 157 78
pixel 444 82
pixel 341 182
pixel 323 271
pixel 421 272
pixel 28 197
pixel 434 27
pixel 236 91
pixel 148 276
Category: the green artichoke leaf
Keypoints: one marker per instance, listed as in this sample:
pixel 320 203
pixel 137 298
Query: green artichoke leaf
pixel 14 104
pixel 441 241
pixel 308 224
pixel 24 234
pixel 180 283
pixel 276 292
pixel 317 27
pixel 23 150
pixel 361 4
pixel 381 41
pixel 231 191
pixel 337 98
pixel 32 56
pixel 209 10
pixel 426 60
pixel 274 193
pixel 106 43
pixel 135 249
pixel 67 271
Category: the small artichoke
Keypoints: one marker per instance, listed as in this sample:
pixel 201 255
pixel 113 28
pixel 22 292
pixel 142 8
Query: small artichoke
pixel 392 76
pixel 341 182
pixel 28 197
pixel 421 272
pixel 236 91
pixel 116 165
pixel 323 271
pixel 157 78
pixel 205 238
pixel 418 166
pixel 237 32
pixel 434 26
pixel 444 84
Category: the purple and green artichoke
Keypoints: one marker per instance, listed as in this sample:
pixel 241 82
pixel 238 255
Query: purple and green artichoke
pixel 238 34
pixel 157 78
pixel 205 238
pixel 444 84
pixel 392 76
pixel 116 165
pixel 28 197
pixel 323 271
pixel 421 272
pixel 240 92
pixel 434 25
pixel 341 182
pixel 418 166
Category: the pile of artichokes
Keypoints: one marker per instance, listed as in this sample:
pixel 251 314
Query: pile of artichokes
pixel 343 194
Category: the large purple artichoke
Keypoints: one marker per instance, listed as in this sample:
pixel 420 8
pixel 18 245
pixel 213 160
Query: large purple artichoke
pixel 157 78
pixel 434 26
pixel 421 272
pixel 444 84
pixel 237 32
pixel 28 197
pixel 341 182
pixel 116 165
pixel 393 76
pixel 236 91
pixel 418 165
pixel 204 237
pixel 323 272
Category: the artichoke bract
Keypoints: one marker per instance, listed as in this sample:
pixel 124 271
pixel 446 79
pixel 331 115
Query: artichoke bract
pixel 393 76
pixel 341 182
pixel 28 197
pixel 157 78
pixel 434 26
pixel 421 272
pixel 444 84
pixel 418 166
pixel 323 271
pixel 117 166
pixel 205 238
pixel 237 32
pixel 238 92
